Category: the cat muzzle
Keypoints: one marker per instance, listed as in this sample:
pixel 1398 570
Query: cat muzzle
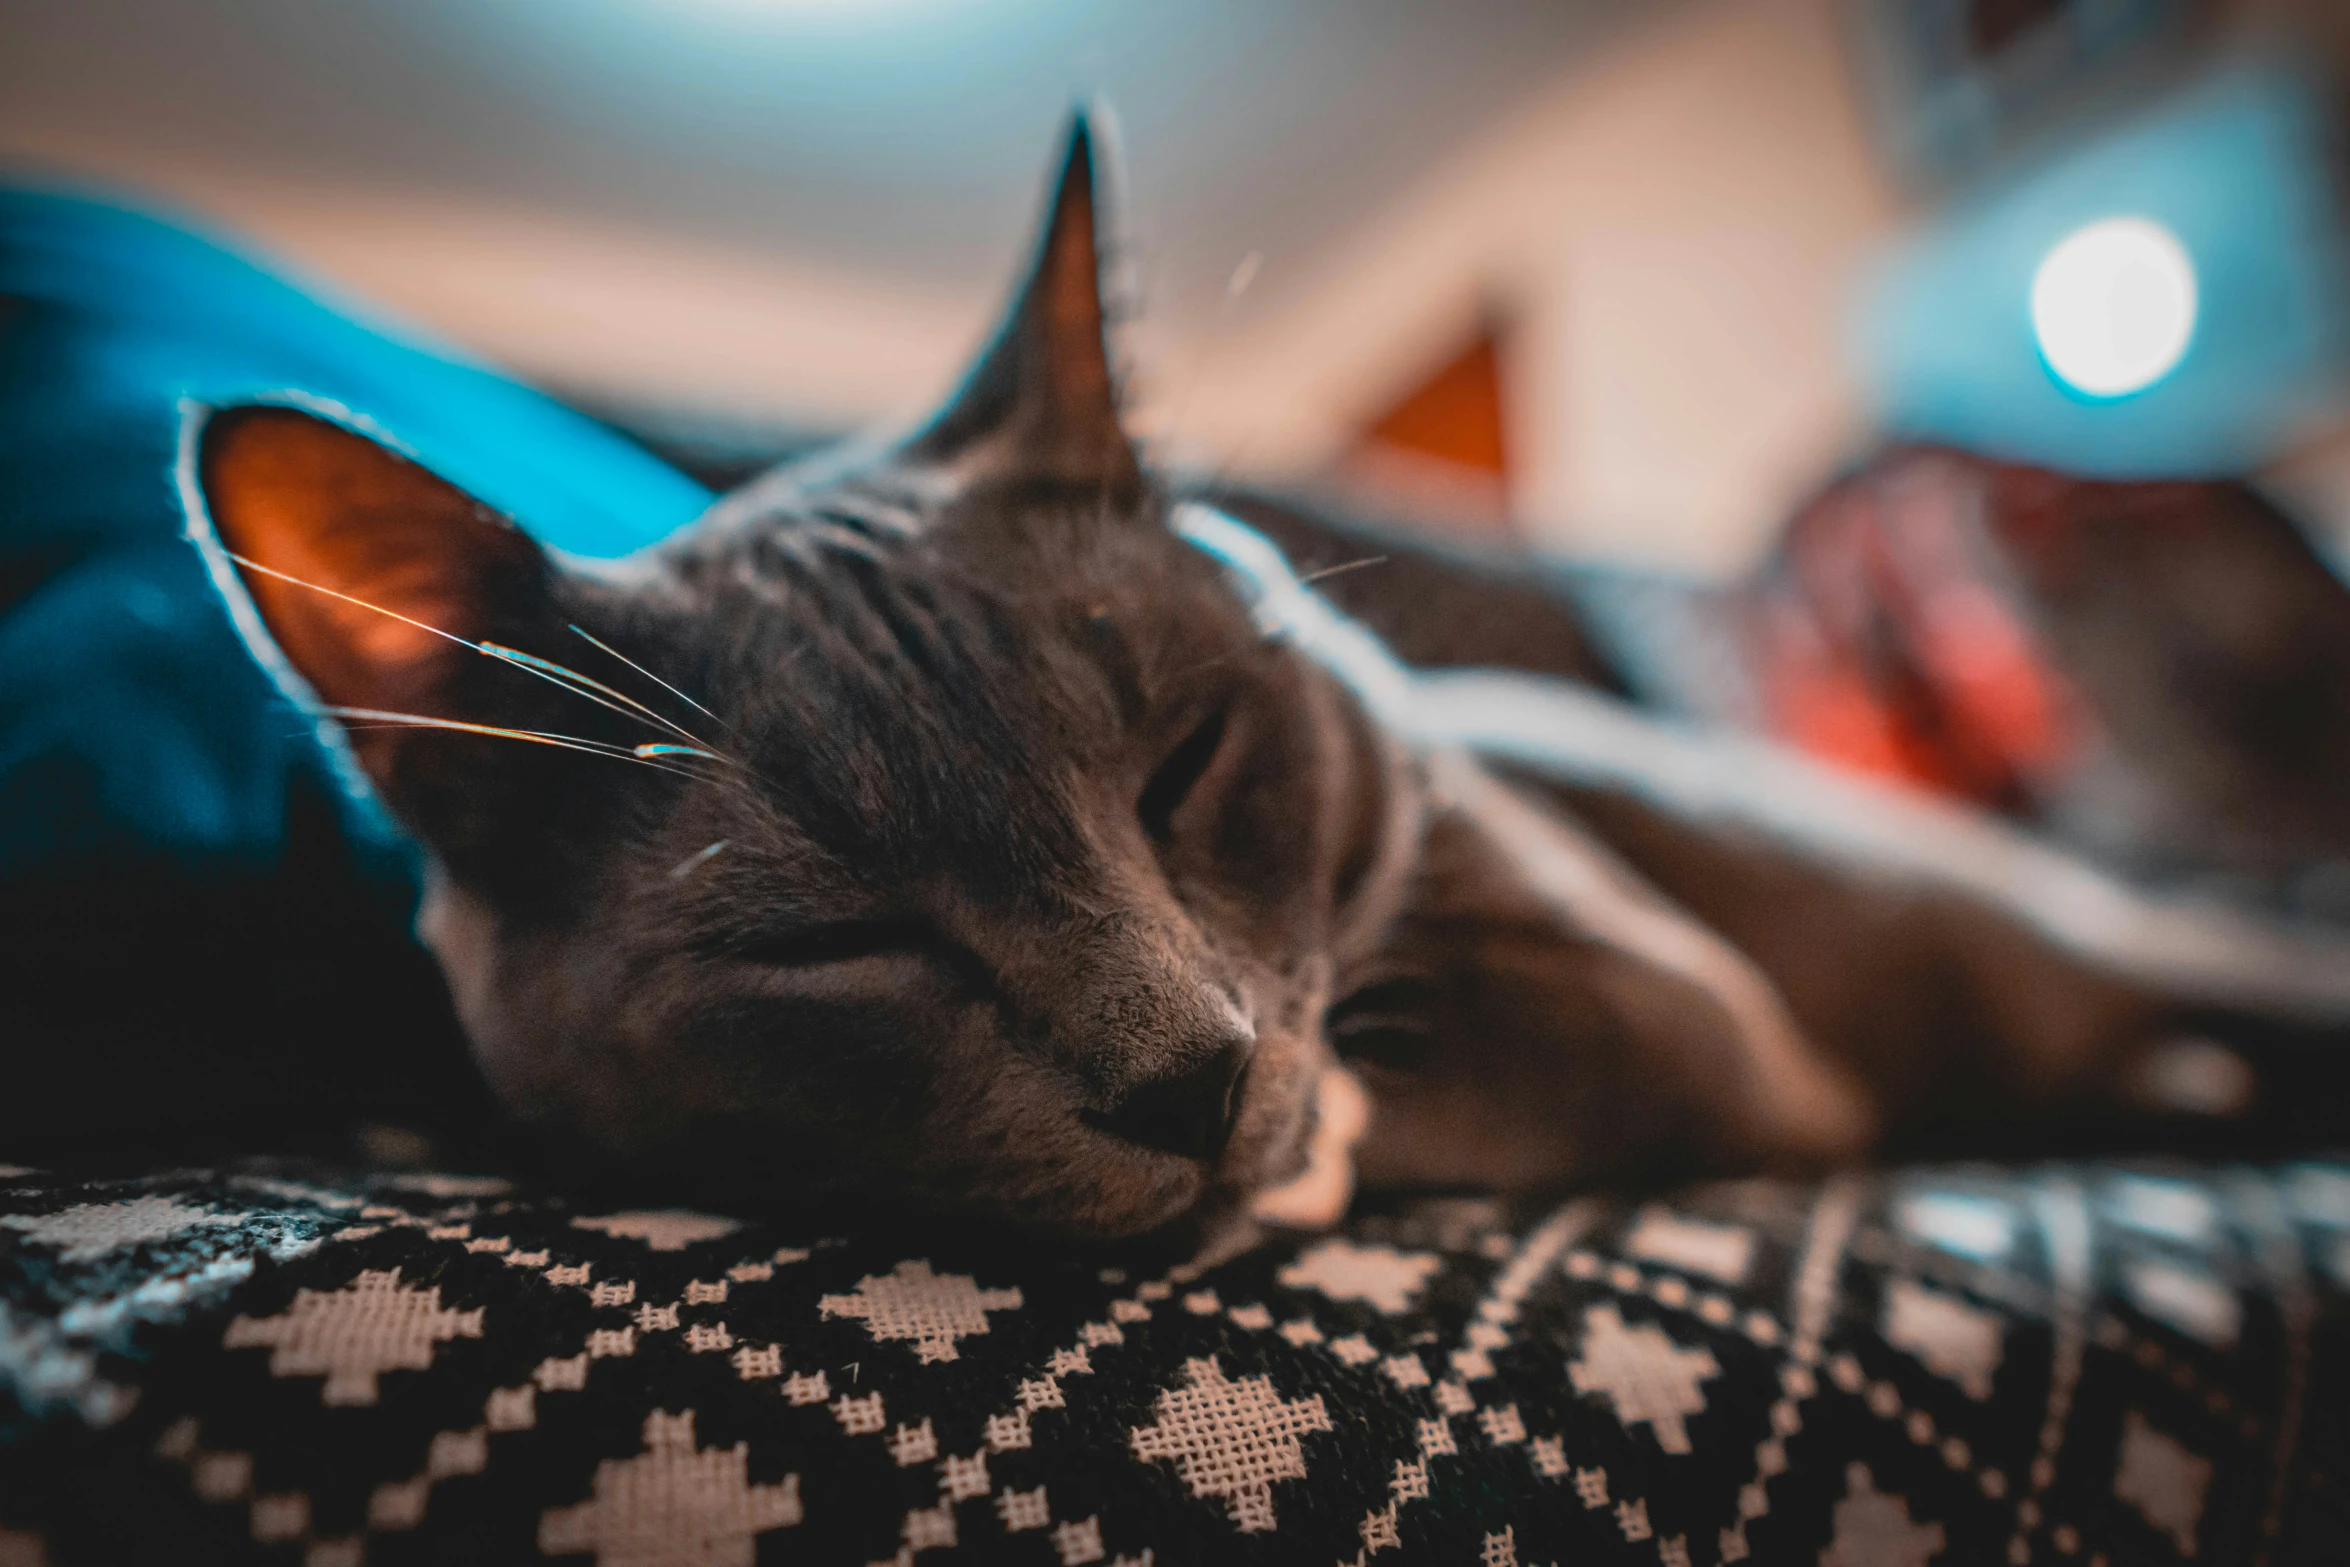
pixel 1189 1113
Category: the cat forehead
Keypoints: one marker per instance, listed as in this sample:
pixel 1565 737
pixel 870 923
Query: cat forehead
pixel 1049 560
pixel 878 665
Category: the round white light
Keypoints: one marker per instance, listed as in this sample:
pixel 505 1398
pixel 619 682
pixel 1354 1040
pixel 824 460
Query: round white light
pixel 2113 306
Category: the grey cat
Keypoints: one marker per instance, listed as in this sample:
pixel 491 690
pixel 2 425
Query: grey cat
pixel 984 824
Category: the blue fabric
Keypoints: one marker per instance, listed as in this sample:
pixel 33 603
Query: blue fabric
pixel 132 719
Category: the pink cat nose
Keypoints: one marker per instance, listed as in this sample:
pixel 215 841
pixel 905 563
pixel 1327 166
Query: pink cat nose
pixel 1189 1112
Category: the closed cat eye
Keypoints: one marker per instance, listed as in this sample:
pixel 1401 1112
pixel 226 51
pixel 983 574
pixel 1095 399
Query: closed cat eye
pixel 1178 775
pixel 842 941
pixel 1385 1024
pixel 849 941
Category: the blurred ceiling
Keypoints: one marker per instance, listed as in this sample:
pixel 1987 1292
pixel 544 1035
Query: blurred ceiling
pixel 897 139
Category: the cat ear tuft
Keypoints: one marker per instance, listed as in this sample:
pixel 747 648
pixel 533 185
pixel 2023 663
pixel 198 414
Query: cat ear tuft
pixel 1042 402
pixel 371 575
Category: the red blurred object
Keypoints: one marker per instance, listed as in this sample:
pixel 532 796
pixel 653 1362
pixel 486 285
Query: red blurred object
pixel 1888 637
pixel 2158 672
pixel 1441 448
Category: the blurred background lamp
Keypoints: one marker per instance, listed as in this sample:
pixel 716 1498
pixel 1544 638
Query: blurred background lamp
pixel 2049 312
pixel 2113 306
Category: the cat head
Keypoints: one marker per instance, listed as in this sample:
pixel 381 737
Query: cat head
pixel 938 828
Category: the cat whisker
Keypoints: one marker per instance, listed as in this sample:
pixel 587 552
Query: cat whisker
pixel 546 669
pixel 656 679
pixel 1175 426
pixel 553 674
pixel 377 718
pixel 751 772
pixel 594 690
pixel 696 860
pixel 272 571
pixel 1332 571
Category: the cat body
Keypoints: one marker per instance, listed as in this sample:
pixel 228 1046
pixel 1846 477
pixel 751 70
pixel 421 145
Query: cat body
pixel 983 824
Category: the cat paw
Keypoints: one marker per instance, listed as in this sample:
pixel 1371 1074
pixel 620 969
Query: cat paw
pixel 1317 1199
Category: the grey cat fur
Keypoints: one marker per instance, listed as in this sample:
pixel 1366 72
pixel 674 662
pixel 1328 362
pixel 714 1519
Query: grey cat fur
pixel 1053 881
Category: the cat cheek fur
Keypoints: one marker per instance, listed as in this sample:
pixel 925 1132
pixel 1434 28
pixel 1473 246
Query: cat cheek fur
pixel 517 1000
pixel 778 1111
pixel 461 933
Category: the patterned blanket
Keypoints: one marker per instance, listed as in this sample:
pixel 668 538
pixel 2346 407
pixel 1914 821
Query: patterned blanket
pixel 2093 1364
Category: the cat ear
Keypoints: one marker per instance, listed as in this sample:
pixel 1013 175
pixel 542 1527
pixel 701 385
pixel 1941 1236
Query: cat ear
pixel 1042 402
pixel 371 577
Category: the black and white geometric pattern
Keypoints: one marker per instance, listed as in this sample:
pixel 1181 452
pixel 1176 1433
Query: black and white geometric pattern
pixel 1955 1365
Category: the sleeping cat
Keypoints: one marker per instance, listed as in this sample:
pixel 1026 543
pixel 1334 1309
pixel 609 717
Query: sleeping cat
pixel 982 823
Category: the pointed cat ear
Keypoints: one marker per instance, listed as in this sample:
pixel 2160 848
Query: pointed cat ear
pixel 1043 400
pixel 369 574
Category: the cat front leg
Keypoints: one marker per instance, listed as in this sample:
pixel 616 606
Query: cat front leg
pixel 1994 993
pixel 1543 1017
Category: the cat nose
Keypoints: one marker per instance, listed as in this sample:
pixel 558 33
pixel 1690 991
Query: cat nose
pixel 1189 1112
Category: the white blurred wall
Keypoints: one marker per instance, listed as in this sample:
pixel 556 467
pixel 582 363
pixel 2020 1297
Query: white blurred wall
pixel 1670 227
pixel 1668 206
pixel 1673 233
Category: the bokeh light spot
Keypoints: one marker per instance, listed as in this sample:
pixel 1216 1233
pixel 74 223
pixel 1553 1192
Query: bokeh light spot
pixel 2113 306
